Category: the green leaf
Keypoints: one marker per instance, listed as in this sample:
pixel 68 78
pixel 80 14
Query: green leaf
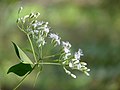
pixel 21 55
pixel 20 69
pixel 30 51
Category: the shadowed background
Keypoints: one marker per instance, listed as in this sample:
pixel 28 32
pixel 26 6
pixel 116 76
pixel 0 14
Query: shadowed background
pixel 92 25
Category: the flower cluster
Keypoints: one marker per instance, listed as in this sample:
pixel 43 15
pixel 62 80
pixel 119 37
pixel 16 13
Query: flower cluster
pixel 75 63
pixel 40 32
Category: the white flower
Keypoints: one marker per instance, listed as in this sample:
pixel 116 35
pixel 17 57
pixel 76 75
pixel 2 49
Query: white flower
pixel 46 30
pixel 55 37
pixel 78 54
pixel 66 44
pixel 66 50
pixel 75 62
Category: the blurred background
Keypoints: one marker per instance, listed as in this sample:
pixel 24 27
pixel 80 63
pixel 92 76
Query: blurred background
pixel 92 25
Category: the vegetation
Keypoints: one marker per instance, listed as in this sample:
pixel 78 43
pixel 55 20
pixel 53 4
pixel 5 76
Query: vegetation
pixel 91 25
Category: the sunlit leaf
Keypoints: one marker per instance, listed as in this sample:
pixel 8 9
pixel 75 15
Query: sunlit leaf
pixel 21 55
pixel 20 69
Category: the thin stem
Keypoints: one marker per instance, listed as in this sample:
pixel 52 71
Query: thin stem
pixel 49 56
pixel 32 48
pixel 21 29
pixel 24 78
pixel 47 63
pixel 41 52
pixel 36 78
pixel 21 81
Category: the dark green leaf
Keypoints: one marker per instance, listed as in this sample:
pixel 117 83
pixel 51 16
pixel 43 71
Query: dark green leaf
pixel 20 69
pixel 21 55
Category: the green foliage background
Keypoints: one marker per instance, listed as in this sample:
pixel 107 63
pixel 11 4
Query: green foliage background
pixel 92 25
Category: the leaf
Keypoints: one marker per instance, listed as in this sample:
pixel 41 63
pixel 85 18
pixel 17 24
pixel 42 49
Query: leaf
pixel 21 55
pixel 30 51
pixel 20 69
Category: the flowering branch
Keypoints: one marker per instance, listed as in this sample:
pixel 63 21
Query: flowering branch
pixel 39 35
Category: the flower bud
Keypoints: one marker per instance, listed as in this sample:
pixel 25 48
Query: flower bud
pixel 20 9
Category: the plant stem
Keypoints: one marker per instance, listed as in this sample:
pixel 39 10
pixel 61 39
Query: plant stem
pixel 24 77
pixel 36 78
pixel 21 29
pixel 41 52
pixel 47 63
pixel 32 47
pixel 49 56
